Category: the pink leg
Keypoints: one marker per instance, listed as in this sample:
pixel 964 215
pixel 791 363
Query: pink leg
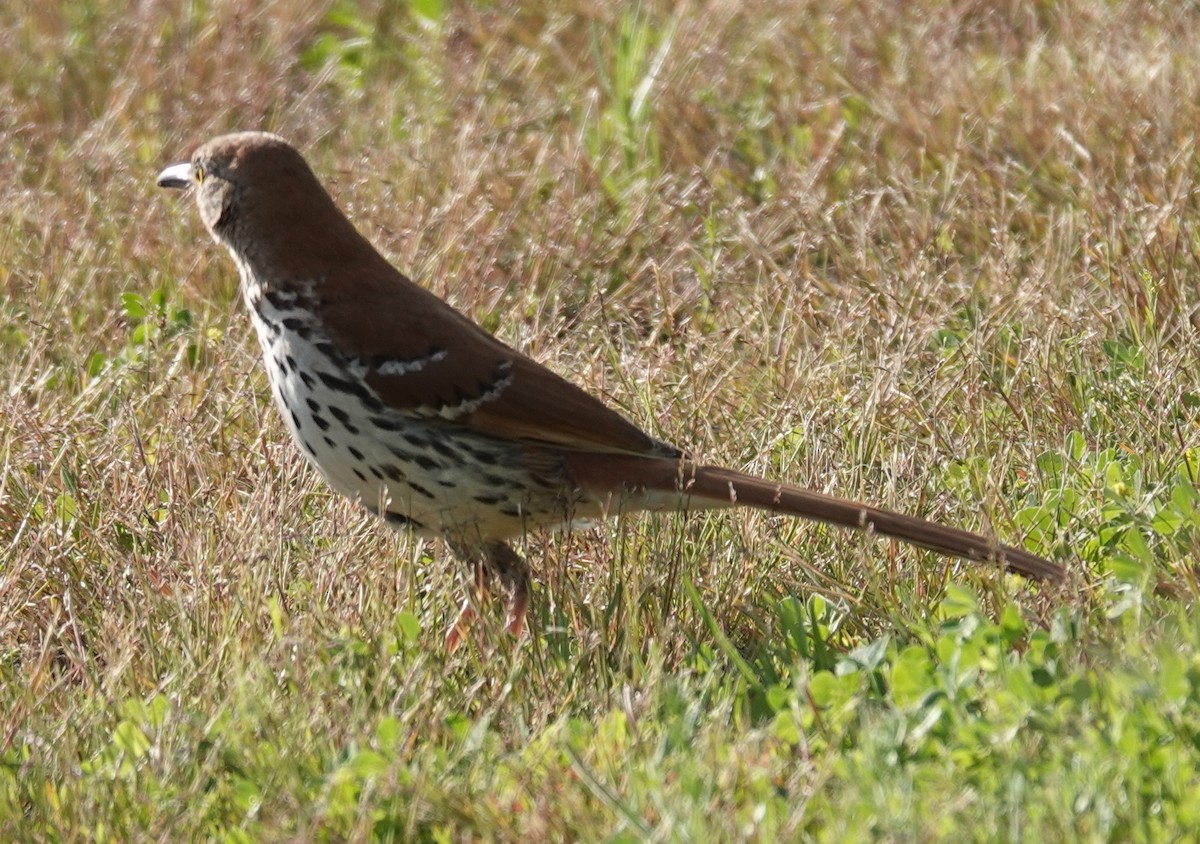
pixel 501 562
pixel 457 631
pixel 467 613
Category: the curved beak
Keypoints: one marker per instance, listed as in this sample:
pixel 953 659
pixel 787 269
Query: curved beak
pixel 177 176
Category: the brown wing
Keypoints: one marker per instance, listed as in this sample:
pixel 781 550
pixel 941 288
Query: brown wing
pixel 424 357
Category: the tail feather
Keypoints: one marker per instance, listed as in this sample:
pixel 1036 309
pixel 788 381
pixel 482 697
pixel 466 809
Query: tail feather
pixel 670 484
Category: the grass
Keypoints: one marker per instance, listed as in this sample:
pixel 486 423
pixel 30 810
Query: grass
pixel 939 256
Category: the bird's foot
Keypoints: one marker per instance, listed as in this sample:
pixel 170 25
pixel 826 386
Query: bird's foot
pixel 514 619
pixel 502 563
pixel 457 631
pixel 518 608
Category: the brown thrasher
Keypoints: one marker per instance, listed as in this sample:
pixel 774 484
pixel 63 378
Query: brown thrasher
pixel 411 409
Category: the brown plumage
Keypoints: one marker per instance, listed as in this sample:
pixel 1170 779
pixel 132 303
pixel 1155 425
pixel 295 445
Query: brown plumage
pixel 404 404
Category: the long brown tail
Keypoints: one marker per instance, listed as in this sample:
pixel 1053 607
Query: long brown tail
pixel 669 484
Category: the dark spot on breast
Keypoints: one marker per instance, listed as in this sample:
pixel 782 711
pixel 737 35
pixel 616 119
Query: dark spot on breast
pixel 406 456
pixel 297 325
pixel 393 472
pixel 352 388
pixel 360 475
pixel 490 500
pixel 313 405
pixel 426 462
pixel 422 460
pixel 343 417
pixel 280 299
pixel 321 421
pixel 308 380
pixel 416 440
pixel 295 419
pixel 482 455
pixel 329 441
pixel 420 490
pixel 444 449
pixel 383 423
pixel 355 453
pixel 291 362
pixel 400 520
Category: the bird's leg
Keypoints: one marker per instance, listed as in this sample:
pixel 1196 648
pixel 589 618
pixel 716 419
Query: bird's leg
pixel 457 630
pixel 492 560
pixel 513 572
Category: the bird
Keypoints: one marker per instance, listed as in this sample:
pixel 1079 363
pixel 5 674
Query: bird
pixel 406 406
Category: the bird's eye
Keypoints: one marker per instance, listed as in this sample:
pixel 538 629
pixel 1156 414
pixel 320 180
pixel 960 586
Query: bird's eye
pixel 199 174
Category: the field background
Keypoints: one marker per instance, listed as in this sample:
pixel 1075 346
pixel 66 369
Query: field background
pixel 941 256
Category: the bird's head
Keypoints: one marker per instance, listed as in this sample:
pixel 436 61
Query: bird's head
pixel 238 176
pixel 260 199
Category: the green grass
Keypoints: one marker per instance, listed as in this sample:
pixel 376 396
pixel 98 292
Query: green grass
pixel 939 256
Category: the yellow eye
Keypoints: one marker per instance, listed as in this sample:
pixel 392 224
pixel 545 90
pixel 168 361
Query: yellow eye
pixel 199 172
